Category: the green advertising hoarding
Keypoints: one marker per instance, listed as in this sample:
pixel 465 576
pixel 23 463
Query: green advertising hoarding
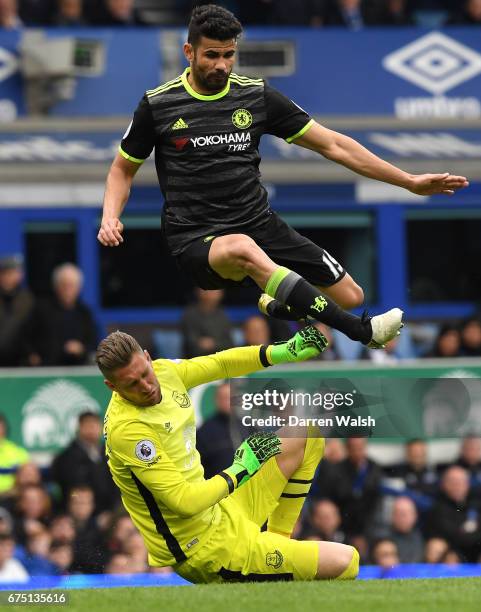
pixel 42 405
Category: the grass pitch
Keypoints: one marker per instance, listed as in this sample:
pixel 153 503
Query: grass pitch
pixel 436 595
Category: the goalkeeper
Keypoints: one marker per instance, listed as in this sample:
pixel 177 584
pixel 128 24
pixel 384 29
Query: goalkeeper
pixel 210 530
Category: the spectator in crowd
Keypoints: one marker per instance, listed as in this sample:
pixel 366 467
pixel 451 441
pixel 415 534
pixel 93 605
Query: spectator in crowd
pixel 435 550
pixel 16 309
pixel 385 554
pixel 205 326
pixel 391 13
pixel 89 547
pixel 6 521
pixel 35 556
pixel 9 17
pixel 94 11
pixel 119 13
pixel 403 531
pixel 354 487
pixel 69 13
pixel 215 441
pixel 297 12
pixel 454 518
pixel 470 14
pixel 32 512
pixel 11 570
pixel 334 453
pixel 119 563
pixel 36 12
pixel 134 547
pixel 65 332
pixel 62 529
pixel 121 529
pixel 11 457
pixel 254 12
pixel 27 474
pixel 471 337
pixel 452 557
pixel 419 479
pixel 325 522
pixel 431 5
pixel 447 343
pixel 84 462
pixel 256 331
pixel 470 460
pixel 353 14
pixel 61 555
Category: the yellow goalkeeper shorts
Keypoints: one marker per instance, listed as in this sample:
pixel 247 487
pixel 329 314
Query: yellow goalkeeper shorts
pixel 239 552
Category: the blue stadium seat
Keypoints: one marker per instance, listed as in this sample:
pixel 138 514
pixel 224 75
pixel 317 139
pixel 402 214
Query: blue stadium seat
pixel 167 343
pixel 238 336
pixel 405 348
pixel 348 349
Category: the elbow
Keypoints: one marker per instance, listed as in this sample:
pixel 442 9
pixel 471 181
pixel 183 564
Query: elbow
pixel 334 153
pixel 188 506
pixel 187 511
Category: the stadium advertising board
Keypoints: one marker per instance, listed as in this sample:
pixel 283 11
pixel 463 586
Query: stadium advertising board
pixel 11 97
pixel 42 408
pixel 406 73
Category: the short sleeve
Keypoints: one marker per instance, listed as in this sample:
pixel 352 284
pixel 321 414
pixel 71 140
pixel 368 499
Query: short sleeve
pixel 139 139
pixel 284 118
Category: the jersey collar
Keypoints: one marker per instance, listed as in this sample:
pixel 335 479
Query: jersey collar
pixel 199 96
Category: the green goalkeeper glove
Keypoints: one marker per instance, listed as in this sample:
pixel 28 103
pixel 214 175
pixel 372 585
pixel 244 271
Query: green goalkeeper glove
pixel 248 458
pixel 306 344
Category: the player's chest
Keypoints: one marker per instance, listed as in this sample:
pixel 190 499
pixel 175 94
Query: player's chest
pixel 174 421
pixel 190 132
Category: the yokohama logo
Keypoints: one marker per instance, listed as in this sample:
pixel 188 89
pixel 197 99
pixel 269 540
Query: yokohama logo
pixel 216 139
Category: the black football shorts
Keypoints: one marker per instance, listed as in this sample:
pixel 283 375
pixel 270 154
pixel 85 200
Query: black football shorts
pixel 280 242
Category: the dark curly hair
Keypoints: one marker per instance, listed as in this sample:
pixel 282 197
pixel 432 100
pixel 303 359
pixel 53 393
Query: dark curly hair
pixel 212 21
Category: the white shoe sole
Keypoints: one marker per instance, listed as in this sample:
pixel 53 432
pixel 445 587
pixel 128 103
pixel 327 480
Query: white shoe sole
pixel 385 327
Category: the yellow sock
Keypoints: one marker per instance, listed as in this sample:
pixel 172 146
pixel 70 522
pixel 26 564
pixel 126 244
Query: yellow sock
pixel 285 516
pixel 352 570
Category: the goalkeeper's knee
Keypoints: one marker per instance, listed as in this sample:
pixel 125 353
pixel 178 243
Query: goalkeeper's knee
pixel 352 569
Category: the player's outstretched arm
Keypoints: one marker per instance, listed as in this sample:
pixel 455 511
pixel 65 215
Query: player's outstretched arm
pixel 154 469
pixel 305 344
pixel 348 152
pixel 117 190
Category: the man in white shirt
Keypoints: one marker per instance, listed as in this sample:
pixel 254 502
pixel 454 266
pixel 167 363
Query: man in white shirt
pixel 11 570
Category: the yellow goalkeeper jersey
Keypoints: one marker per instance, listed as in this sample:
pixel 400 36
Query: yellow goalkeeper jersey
pixel 153 458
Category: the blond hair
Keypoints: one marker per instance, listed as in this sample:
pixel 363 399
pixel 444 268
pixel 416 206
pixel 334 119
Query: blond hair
pixel 115 351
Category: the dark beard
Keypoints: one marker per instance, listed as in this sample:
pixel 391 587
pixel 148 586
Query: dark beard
pixel 210 84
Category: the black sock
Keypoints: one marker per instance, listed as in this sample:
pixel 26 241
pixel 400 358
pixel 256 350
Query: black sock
pixel 293 290
pixel 281 311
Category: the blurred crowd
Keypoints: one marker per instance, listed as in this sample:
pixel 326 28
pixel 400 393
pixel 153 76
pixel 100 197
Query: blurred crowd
pixel 60 329
pixel 412 512
pixel 352 14
pixel 67 518
pixel 56 330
